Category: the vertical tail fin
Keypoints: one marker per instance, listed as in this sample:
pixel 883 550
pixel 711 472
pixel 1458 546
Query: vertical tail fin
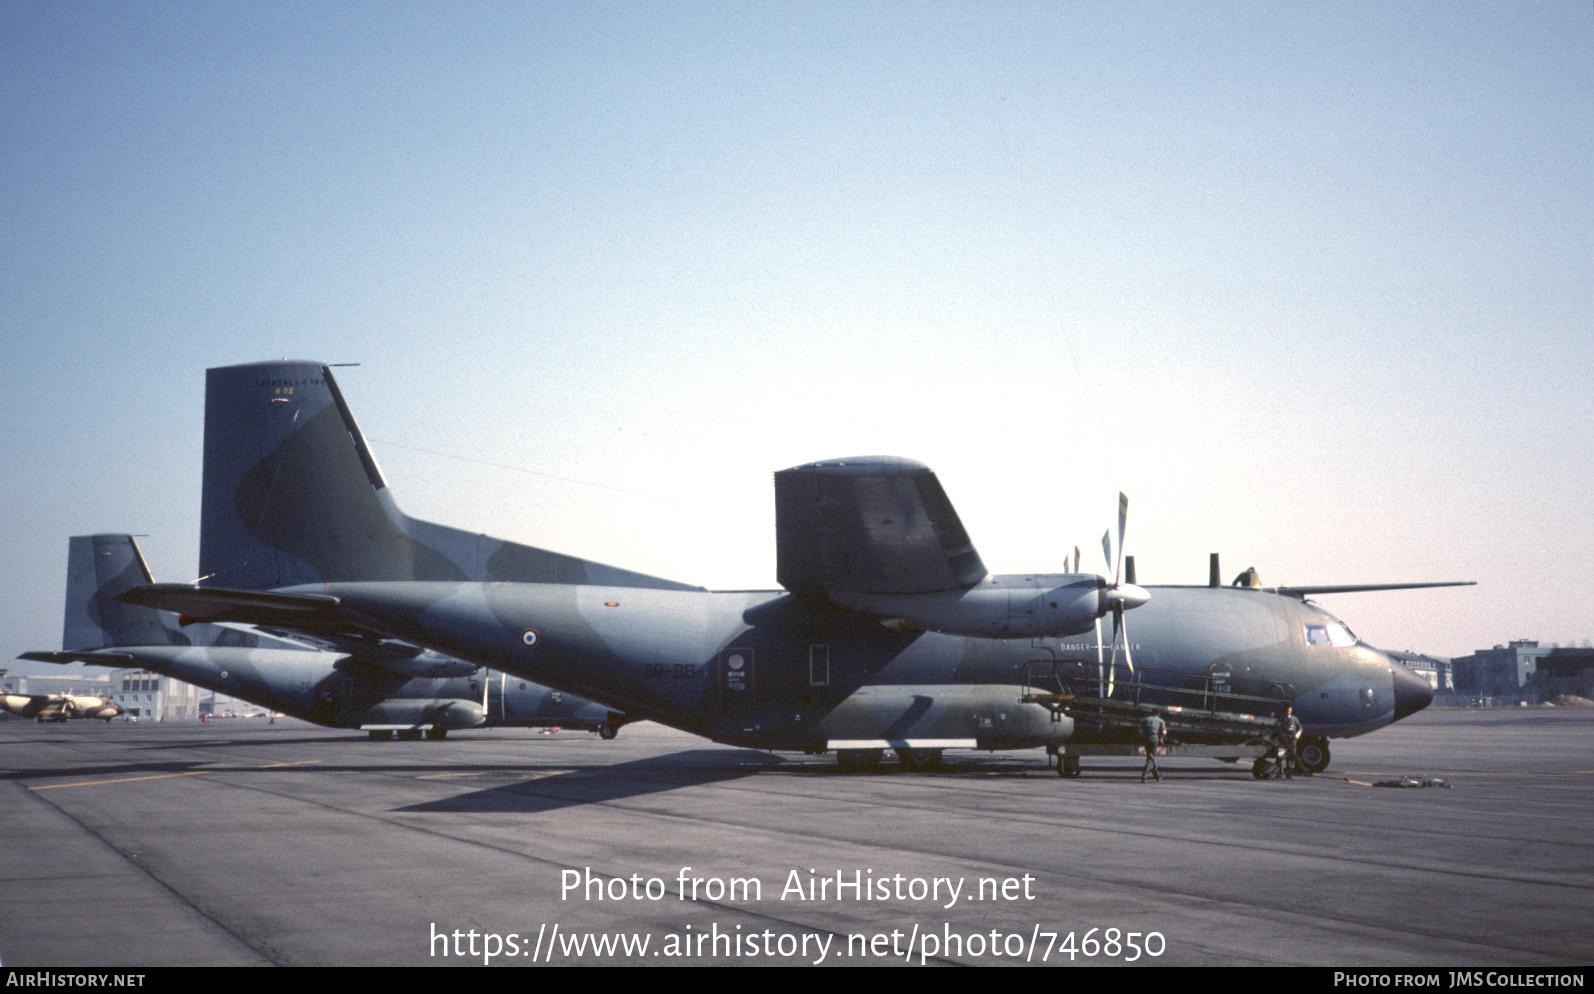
pixel 293 495
pixel 98 568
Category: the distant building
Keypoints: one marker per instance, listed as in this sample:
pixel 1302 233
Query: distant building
pixel 1434 669
pixel 1564 671
pixel 77 683
pixel 151 697
pixel 1524 672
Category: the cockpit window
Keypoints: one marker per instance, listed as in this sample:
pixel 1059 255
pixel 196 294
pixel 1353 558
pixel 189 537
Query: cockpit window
pixel 1333 633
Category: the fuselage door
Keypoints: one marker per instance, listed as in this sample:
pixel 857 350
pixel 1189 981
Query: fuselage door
pixel 489 692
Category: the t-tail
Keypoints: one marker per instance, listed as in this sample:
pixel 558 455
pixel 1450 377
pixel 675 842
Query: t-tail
pixel 293 495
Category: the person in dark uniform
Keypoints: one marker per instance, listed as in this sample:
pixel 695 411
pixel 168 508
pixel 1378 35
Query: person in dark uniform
pixel 1153 730
pixel 1289 736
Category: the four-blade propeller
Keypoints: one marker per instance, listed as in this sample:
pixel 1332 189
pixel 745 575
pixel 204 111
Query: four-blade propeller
pixel 1118 598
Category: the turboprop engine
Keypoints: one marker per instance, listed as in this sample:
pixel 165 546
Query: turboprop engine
pixel 1010 606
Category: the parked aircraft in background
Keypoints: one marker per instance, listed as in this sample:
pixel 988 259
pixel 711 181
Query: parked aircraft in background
pixel 60 707
pixel 889 633
pixel 373 684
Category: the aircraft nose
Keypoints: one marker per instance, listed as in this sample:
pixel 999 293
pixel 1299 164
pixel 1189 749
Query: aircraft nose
pixel 1412 692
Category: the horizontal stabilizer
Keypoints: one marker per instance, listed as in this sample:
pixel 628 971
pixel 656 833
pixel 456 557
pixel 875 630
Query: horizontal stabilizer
pixel 316 614
pixel 222 604
pixel 101 657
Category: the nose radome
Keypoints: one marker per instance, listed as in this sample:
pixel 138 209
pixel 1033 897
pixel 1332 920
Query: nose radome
pixel 1412 692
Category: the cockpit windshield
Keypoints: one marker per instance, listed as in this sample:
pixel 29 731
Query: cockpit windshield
pixel 1332 633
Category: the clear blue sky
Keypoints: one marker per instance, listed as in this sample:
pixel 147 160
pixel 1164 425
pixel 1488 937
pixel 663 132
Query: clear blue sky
pixel 1312 282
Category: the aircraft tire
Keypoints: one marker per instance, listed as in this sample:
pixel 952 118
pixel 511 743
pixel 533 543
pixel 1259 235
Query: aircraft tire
pixel 409 735
pixel 1068 766
pixel 437 732
pixel 1312 756
pixel 919 759
pixel 858 760
pixel 607 731
pixel 380 735
pixel 1262 768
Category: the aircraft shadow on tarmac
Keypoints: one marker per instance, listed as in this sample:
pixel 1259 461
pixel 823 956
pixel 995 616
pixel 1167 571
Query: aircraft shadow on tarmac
pixel 531 791
pixel 527 790
pixel 333 738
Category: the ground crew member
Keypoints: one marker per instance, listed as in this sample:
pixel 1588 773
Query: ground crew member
pixel 1290 734
pixel 1153 730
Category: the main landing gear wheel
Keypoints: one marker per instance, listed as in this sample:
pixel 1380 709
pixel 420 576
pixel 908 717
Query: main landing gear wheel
pixel 437 732
pixel 858 760
pixel 1265 768
pixel 1068 766
pixel 1312 755
pixel 607 731
pixel 919 759
pixel 380 734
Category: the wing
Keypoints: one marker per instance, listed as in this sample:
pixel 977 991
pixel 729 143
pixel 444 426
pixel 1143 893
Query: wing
pixel 876 524
pixel 1350 588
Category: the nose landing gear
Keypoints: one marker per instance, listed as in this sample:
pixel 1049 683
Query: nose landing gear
pixel 1313 755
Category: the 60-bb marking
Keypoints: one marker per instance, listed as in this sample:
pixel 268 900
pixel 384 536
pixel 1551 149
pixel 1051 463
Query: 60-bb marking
pixel 669 671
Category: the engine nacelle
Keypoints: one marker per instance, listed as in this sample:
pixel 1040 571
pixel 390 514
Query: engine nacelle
pixel 1015 606
pixel 436 712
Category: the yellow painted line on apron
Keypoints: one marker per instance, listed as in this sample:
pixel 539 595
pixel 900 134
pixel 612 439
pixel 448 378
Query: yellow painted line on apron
pixel 166 776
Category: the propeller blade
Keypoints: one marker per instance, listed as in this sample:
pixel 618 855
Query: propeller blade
pixel 1106 547
pixel 1112 667
pixel 1101 672
pixel 1076 559
pixel 1129 659
pixel 1117 626
pixel 1123 520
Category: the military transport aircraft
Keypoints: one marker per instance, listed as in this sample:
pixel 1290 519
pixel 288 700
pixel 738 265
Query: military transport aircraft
pixel 379 686
pixel 889 632
pixel 60 707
